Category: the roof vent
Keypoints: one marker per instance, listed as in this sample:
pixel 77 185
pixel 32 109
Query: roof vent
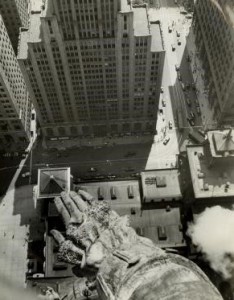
pixel 206 187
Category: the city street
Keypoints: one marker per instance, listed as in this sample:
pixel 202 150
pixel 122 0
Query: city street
pixel 178 84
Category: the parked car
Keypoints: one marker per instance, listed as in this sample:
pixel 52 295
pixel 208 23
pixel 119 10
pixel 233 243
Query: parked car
pixel 166 141
pixel 163 103
pixel 191 122
pixel 192 115
pixel 170 124
pixel 173 47
pixel 188 101
pixel 183 86
pixel 198 110
pixel 177 68
pixel 162 89
pixel 26 174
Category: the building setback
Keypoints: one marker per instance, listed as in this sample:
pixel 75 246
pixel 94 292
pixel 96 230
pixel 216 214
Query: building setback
pixel 214 34
pixel 92 68
pixel 15 15
pixel 15 105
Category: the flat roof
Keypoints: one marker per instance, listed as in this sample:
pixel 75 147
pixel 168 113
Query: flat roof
pixel 122 204
pixel 147 222
pixel 157 42
pixel 140 21
pixel 161 184
pixel 211 177
pixel 125 6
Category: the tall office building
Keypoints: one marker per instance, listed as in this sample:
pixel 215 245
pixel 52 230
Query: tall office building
pixel 15 106
pixel 15 15
pixel 92 67
pixel 214 32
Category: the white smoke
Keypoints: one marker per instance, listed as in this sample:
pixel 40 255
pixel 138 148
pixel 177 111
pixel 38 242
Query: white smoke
pixel 213 234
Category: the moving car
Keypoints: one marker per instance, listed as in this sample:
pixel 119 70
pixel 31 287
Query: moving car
pixel 179 76
pixel 26 174
pixel 163 103
pixel 166 141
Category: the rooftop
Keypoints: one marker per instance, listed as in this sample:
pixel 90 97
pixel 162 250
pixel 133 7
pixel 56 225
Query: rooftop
pixel 145 222
pixel 125 6
pixel 160 185
pixel 157 43
pixel 140 21
pixel 221 143
pixel 122 204
pixel 52 182
pixel 211 177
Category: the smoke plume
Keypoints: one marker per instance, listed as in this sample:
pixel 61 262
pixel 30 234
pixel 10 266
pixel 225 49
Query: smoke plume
pixel 212 232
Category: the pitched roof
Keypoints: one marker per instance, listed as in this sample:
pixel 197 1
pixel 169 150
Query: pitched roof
pixel 53 181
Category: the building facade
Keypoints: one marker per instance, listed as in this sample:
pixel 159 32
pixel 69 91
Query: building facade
pixel 15 15
pixel 213 28
pixel 92 68
pixel 15 105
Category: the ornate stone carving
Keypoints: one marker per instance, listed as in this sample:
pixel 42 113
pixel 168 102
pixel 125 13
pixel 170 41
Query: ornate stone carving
pixel 119 263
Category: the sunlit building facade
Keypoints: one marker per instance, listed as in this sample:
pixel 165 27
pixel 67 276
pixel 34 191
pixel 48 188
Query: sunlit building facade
pixel 93 68
pixel 214 31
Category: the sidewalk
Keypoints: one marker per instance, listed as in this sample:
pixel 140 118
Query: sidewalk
pixel 207 112
pixel 95 142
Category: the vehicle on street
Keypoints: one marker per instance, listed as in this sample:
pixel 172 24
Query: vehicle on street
pixel 163 103
pixel 92 169
pixel 179 42
pixel 177 68
pixel 177 33
pixel 189 16
pixel 130 153
pixel 188 101
pixel 179 76
pixel 192 115
pixel 173 47
pixel 162 89
pixel 170 124
pixel 183 86
pixel 198 110
pixel 191 122
pixel 26 174
pixel 167 139
pixel 169 29
pixel 188 58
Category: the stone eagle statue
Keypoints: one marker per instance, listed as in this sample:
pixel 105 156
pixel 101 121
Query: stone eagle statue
pixel 119 264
